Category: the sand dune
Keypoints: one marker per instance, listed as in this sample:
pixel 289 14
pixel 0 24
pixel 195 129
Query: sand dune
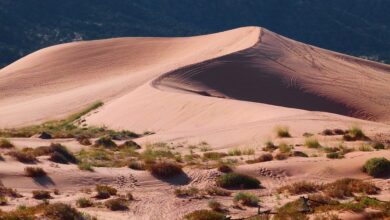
pixel 229 89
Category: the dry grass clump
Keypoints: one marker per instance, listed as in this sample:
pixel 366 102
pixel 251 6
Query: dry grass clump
pixel 377 167
pixel 347 187
pixel 129 144
pixel 5 144
pixel 215 205
pixel 216 191
pixel 301 187
pixel 137 165
pixel 235 152
pixel 365 148
pixel 185 192
pixel 205 215
pixel 236 180
pixel 355 133
pixel 105 142
pixel 262 158
pixel 330 132
pixel 269 146
pixel 24 157
pixel 34 172
pixel 285 148
pixel 85 166
pixel 334 155
pixel 214 155
pixel 41 194
pixel 4 191
pixel 224 168
pixel 117 204
pixel 247 199
pixel 282 132
pixel 105 191
pixel 312 143
pixel 60 211
pixel 61 154
pixel 281 156
pixel 83 140
pixel 84 203
pixel 165 169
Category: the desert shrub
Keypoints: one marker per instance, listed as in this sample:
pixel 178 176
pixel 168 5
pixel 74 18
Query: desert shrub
pixel 129 144
pixel 105 142
pixel 3 201
pixel 330 149
pixel 312 143
pixel 334 155
pixel 299 154
pixel 4 191
pixel 269 146
pixel 378 146
pixel 247 199
pixel 355 133
pixel 338 131
pixel 41 151
pixel 365 148
pixel 6 144
pixel 83 140
pixel 377 167
pixel 216 191
pixel 34 172
pixel 282 132
pixel 284 148
pixel 345 150
pixel 205 215
pixel 137 165
pixel 117 204
pixel 262 158
pixel 182 192
pixel 347 187
pixel 281 156
pixel 236 180
pixel 41 194
pixel 214 155
pixel 301 187
pixel 60 211
pixel 215 205
pixel 235 152
pixel 307 134
pixel 291 210
pixel 105 191
pixel 225 168
pixel 61 154
pixel 248 151
pixel 327 132
pixel 165 169
pixel 84 203
pixel 24 157
pixel 150 155
pixel 85 166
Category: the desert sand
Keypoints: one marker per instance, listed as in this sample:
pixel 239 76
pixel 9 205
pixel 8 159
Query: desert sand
pixel 229 89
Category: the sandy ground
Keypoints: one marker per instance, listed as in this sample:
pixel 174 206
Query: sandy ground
pixel 229 89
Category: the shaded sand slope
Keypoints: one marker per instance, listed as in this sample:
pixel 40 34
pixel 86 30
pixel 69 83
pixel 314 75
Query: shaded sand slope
pixel 59 80
pixel 283 72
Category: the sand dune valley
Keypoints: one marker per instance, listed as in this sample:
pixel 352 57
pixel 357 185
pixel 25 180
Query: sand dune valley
pixel 242 124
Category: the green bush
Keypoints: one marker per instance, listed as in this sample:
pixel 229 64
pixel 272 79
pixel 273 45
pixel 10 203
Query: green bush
pixel 205 215
pixel 378 146
pixel 214 205
pixel 61 154
pixel 269 146
pixel 247 199
pixel 236 180
pixel 6 144
pixel 284 148
pixel 377 167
